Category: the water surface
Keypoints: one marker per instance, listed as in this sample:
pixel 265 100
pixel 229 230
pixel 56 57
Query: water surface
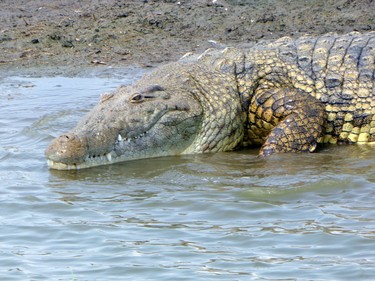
pixel 225 216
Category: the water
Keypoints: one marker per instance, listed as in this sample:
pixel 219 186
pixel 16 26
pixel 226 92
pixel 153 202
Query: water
pixel 225 216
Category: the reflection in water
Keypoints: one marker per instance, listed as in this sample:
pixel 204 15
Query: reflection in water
pixel 224 216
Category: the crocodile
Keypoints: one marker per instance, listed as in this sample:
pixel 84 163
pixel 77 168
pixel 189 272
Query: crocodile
pixel 286 95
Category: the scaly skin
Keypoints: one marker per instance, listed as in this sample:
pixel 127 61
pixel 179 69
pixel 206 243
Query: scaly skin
pixel 285 96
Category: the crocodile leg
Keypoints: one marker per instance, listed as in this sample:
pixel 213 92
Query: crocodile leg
pixel 286 120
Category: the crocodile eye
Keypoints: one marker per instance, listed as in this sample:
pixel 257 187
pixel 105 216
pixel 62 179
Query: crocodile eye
pixel 136 98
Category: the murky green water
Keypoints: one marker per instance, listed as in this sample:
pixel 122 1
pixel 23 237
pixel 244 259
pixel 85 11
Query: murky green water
pixel 227 216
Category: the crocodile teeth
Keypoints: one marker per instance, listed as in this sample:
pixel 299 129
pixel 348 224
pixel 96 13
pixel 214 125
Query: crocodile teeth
pixel 121 139
pixel 109 156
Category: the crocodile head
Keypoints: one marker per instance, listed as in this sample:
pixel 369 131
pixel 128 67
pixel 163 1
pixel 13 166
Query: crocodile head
pixel 163 114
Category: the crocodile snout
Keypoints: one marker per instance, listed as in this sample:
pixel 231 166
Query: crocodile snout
pixel 68 149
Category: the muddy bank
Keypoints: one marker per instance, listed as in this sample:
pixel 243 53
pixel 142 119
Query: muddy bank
pixel 74 33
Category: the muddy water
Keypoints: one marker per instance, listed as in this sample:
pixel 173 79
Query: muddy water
pixel 228 216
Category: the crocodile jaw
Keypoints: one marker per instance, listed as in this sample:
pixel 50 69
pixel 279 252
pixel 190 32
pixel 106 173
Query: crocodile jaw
pixel 123 128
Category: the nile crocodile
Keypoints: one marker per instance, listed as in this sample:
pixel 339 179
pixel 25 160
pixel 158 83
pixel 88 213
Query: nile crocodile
pixel 285 96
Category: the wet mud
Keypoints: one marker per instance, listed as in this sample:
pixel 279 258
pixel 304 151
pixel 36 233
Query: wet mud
pixel 73 33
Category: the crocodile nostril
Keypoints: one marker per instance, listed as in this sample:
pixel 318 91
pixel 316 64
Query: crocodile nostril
pixel 68 148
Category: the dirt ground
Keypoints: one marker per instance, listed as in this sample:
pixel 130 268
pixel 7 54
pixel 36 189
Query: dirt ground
pixel 81 33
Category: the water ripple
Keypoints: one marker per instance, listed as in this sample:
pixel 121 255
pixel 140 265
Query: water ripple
pixel 224 216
